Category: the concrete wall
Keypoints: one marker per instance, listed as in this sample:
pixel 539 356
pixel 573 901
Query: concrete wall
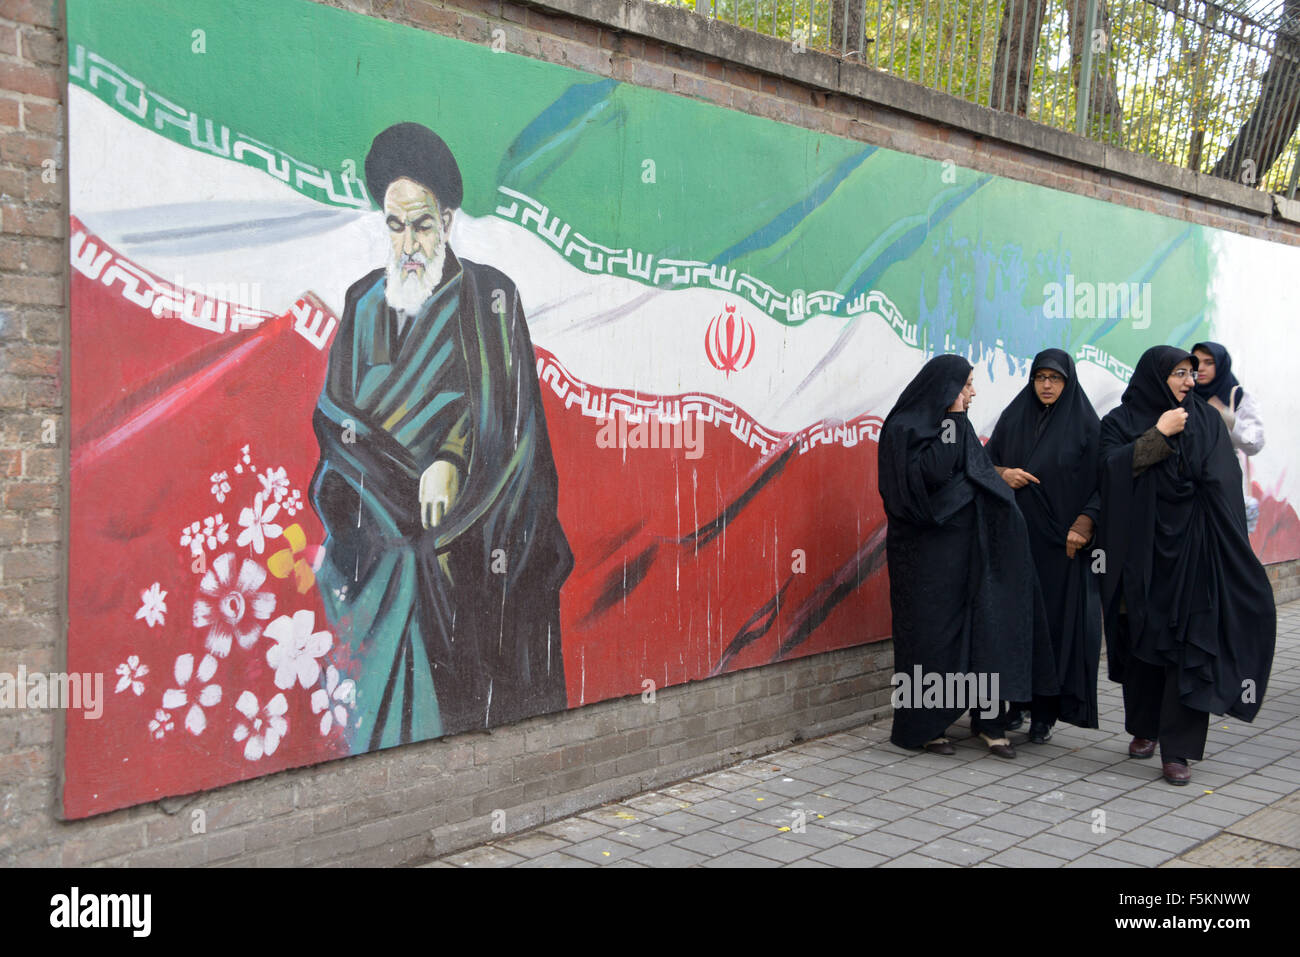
pixel 407 803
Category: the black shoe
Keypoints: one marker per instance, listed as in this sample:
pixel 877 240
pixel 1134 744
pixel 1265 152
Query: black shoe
pixel 1015 720
pixel 1040 732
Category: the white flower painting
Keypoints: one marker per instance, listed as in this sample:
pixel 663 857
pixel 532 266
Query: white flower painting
pixel 160 724
pixel 258 525
pixel 198 696
pixel 131 675
pixel 333 699
pixel 153 608
pixel 275 483
pixel 233 608
pixel 264 727
pixel 297 648
pixel 220 485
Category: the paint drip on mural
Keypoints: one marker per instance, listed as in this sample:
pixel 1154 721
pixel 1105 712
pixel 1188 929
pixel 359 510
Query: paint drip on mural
pixel 401 410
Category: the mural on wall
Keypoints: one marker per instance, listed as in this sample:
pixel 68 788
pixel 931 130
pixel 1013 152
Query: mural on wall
pixel 419 387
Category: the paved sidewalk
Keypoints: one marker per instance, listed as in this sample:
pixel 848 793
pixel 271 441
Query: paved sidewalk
pixel 854 800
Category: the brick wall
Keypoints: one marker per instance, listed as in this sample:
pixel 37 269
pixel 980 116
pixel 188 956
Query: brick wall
pixel 33 280
pixel 1285 579
pixel 431 798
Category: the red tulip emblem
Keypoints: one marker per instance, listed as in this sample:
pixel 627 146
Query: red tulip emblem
pixel 729 342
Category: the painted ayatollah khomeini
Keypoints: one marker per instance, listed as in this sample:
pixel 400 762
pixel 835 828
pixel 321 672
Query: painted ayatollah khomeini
pixel 444 555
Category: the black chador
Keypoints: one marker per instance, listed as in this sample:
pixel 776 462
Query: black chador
pixel 1190 621
pixel 1057 444
pixel 958 556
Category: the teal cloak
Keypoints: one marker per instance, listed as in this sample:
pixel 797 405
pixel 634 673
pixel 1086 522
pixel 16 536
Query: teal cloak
pixel 456 627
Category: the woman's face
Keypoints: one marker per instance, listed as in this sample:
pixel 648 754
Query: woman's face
pixel 1048 385
pixel 1205 370
pixel 967 392
pixel 1181 380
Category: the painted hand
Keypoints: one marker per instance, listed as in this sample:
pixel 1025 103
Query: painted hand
pixel 439 486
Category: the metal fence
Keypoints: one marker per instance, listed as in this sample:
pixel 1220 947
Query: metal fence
pixel 1211 86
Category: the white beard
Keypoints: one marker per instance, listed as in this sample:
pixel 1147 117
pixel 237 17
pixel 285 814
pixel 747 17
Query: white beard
pixel 407 293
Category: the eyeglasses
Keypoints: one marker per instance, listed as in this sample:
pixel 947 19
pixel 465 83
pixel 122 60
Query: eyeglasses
pixel 1048 377
pixel 1183 374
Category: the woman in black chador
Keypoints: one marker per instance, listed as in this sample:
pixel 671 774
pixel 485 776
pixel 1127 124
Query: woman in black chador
pixel 961 579
pixel 1190 622
pixel 1045 448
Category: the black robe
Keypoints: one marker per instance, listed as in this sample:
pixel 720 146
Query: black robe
pixel 1177 552
pixel 1058 445
pixel 958 555
pixel 457 626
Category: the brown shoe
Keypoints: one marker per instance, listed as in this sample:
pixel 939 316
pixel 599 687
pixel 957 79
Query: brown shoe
pixel 940 746
pixel 1141 748
pixel 1175 772
pixel 999 746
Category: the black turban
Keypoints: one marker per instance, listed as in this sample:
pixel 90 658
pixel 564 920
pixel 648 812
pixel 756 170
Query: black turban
pixel 417 153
